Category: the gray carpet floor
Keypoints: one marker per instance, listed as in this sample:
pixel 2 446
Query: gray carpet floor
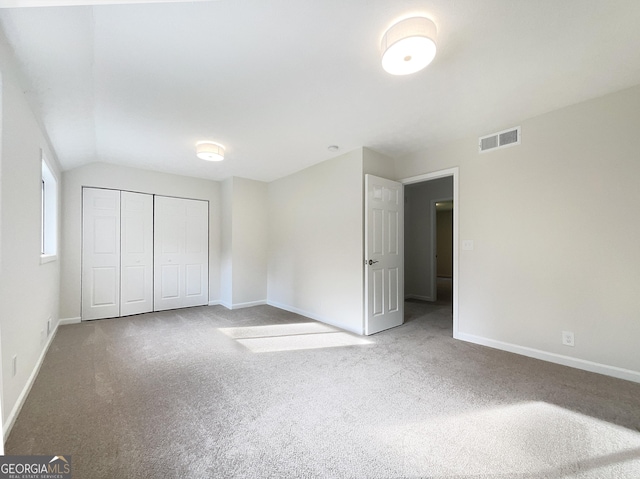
pixel 262 393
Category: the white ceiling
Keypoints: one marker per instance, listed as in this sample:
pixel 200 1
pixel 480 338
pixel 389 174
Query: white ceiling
pixel 277 81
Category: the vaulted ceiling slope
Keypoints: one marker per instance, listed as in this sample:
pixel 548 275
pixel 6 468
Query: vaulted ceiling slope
pixel 278 81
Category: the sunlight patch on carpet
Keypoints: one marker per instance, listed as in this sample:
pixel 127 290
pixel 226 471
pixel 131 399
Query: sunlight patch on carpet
pixel 292 337
pixel 532 439
pixel 278 330
pixel 302 341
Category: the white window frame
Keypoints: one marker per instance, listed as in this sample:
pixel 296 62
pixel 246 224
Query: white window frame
pixel 49 214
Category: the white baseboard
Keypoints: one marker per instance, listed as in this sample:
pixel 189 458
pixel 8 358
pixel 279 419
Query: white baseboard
pixel 215 302
pixel 316 317
pixel 13 415
pixel 583 364
pixel 418 296
pixel 64 321
pixel 248 304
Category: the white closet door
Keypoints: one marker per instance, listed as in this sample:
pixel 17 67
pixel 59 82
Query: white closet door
pixel 136 273
pixel 181 254
pixel 100 253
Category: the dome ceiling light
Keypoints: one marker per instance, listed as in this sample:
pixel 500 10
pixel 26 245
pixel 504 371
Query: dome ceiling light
pixel 408 46
pixel 209 151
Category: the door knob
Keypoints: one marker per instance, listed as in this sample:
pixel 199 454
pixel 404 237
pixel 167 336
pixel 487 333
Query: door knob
pixel 372 262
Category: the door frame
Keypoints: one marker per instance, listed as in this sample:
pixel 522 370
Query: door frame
pixel 454 173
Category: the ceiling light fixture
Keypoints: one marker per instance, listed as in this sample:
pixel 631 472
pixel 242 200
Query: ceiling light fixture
pixel 408 46
pixel 209 151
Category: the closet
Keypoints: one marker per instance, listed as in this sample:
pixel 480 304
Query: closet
pixel 142 253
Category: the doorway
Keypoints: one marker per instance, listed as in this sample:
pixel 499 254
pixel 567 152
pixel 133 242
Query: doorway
pixel 431 252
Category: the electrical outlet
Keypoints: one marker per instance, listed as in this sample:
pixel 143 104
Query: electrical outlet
pixel 467 245
pixel 567 338
pixel 14 365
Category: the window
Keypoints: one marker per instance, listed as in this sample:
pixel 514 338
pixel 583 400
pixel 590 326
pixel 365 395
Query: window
pixel 49 215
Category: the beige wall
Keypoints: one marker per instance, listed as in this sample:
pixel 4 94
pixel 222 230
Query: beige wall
pixel 244 245
pixel 102 175
pixel 554 222
pixel 226 245
pixel 315 242
pixel 29 290
pixel 377 164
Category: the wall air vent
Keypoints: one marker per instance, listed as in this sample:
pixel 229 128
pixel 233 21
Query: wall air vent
pixel 502 139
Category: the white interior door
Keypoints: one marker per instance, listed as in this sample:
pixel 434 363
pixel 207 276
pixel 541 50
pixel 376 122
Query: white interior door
pixel 181 253
pixel 384 250
pixel 136 253
pixel 100 253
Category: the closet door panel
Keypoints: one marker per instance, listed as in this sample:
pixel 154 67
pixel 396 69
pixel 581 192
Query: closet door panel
pixel 168 241
pixel 100 253
pixel 170 282
pixel 136 290
pixel 196 255
pixel 193 277
pixel 181 253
